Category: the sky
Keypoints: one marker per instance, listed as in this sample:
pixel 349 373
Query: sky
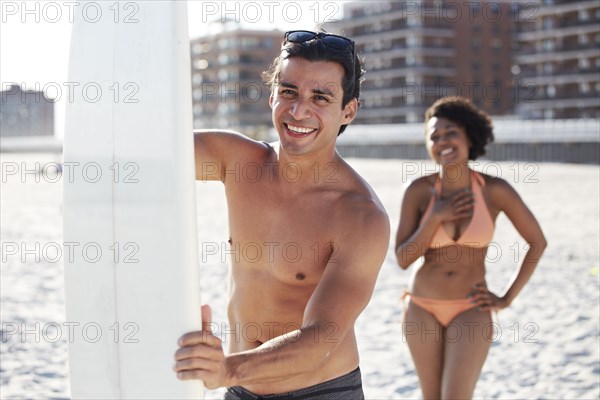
pixel 35 35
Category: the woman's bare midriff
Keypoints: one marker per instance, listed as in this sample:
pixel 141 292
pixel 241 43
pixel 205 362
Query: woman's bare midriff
pixel 449 272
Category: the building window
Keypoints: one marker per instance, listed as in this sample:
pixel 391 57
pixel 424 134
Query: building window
pixel 584 87
pixel 223 59
pixel 225 75
pixel 413 20
pixel 583 15
pixel 584 63
pixel 201 64
pixel 583 39
pixel 551 91
pixel 223 43
pixel 249 42
pixel 228 108
pixel 197 48
pixel 413 41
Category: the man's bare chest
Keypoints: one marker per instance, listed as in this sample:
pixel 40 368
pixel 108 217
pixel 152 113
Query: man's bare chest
pixel 290 239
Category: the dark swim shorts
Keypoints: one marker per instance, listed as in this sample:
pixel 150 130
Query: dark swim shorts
pixel 345 387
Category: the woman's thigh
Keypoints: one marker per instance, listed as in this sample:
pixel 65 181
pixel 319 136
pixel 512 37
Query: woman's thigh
pixel 466 344
pixel 424 336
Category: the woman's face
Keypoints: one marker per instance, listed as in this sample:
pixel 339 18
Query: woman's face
pixel 446 141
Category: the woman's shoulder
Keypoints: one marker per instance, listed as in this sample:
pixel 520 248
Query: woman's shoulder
pixel 491 179
pixel 496 186
pixel 421 187
pixel 421 184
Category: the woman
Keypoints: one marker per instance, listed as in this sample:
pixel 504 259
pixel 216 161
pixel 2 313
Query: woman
pixel 448 218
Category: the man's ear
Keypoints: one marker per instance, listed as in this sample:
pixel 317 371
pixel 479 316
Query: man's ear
pixel 349 111
pixel 271 100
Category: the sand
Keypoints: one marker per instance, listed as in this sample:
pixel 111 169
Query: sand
pixel 546 344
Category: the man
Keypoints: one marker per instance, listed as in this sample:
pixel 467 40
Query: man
pixel 320 234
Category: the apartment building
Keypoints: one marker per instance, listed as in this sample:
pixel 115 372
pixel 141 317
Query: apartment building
pixel 559 60
pixel 25 113
pixel 227 88
pixel 418 51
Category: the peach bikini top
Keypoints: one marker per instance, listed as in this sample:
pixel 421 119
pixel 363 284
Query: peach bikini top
pixel 480 230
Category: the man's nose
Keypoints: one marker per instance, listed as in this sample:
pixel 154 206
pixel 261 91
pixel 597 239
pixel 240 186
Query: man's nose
pixel 300 109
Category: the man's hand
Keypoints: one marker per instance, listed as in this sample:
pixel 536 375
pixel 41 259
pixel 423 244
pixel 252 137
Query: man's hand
pixel 201 356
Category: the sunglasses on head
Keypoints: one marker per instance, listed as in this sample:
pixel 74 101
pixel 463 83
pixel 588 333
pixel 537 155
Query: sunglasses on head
pixel 335 41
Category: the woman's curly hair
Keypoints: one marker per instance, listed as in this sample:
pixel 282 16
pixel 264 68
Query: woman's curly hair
pixel 461 111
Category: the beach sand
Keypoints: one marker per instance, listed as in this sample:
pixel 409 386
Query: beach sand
pixel 546 344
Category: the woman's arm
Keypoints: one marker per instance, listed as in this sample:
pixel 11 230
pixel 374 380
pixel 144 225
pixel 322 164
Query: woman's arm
pixel 508 200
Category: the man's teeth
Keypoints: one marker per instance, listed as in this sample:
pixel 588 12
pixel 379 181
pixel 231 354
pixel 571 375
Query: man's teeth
pixel 446 152
pixel 298 129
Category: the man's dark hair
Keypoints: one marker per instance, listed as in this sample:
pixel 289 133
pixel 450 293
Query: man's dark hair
pixel 317 50
pixel 461 111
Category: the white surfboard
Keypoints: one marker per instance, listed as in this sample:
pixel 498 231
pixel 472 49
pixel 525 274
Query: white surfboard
pixel 131 260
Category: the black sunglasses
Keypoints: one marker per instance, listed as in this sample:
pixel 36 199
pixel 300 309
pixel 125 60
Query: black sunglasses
pixel 335 41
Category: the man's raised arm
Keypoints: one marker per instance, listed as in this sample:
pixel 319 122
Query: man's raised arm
pixel 215 149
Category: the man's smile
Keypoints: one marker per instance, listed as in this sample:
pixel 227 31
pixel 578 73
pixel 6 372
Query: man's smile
pixel 299 131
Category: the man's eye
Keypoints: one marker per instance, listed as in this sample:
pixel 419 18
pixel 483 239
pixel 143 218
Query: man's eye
pixel 287 92
pixel 321 98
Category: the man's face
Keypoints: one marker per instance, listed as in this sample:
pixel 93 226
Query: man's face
pixel 307 105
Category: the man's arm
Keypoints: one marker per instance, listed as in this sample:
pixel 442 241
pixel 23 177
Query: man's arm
pixel 215 150
pixel 343 292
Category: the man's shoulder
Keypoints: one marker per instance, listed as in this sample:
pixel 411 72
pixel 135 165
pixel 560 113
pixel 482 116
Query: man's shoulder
pixel 359 223
pixel 358 203
pixel 238 144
